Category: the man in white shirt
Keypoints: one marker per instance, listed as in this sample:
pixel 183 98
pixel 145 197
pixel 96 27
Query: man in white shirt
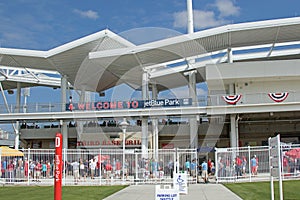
pixel 75 166
pixel 93 165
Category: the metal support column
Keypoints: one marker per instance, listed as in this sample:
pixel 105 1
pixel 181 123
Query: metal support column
pixel 192 82
pixel 64 124
pixel 233 117
pixel 233 133
pixel 233 123
pixel 190 16
pixel 145 95
pixel 18 106
pixel 155 125
pixel 193 119
pixel 229 56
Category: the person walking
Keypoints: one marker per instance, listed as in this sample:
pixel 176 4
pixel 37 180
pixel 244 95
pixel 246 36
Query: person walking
pixel 93 167
pixel 75 166
pixel 253 162
pixel 194 169
pixel 204 168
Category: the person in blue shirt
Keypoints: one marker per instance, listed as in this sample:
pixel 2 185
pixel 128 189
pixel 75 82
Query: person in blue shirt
pixel 253 162
pixel 193 168
pixel 3 169
pixel 187 166
pixel 204 171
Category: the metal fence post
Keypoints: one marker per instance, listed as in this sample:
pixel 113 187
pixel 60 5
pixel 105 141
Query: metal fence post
pixel 136 167
pixel 100 167
pixel 64 168
pixel 281 153
pixel 216 164
pixel 196 156
pixel 249 160
pixel 28 167
pixel 177 162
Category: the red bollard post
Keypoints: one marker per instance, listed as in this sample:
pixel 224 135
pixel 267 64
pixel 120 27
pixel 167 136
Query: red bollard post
pixel 58 167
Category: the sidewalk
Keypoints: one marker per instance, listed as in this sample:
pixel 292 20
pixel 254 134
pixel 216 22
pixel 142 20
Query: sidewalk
pixel 195 191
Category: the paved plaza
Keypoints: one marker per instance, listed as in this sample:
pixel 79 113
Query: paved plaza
pixel 195 191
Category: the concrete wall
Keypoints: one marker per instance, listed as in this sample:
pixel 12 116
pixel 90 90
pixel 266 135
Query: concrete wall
pixel 256 92
pixel 253 71
pixel 254 80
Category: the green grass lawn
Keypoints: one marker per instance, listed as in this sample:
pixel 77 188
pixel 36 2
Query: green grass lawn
pixel 47 192
pixel 262 190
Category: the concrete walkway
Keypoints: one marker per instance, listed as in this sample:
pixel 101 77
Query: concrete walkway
pixel 195 191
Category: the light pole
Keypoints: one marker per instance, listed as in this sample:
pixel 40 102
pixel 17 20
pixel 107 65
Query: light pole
pixel 123 125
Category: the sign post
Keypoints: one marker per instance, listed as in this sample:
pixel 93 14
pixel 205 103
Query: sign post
pixel 58 167
pixel 275 164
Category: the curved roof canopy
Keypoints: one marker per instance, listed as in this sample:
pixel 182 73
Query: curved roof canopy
pixel 66 59
pixel 104 59
pixel 187 47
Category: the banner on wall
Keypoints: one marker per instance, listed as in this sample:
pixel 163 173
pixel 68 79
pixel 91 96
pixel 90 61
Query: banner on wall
pixel 278 96
pixel 232 99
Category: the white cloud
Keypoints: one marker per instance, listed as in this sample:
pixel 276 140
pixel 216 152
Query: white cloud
pixel 208 18
pixel 180 19
pixel 227 8
pixel 202 19
pixel 87 14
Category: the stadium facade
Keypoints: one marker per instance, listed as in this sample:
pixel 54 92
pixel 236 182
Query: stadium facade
pixel 250 71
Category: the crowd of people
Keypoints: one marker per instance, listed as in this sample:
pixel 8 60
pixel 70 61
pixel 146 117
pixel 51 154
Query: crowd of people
pixel 114 168
pixel 18 169
pixel 106 167
pixel 237 167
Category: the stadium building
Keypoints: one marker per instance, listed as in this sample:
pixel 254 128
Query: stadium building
pixel 249 71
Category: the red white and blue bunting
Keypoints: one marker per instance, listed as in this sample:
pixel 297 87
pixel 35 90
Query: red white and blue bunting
pixel 278 96
pixel 232 99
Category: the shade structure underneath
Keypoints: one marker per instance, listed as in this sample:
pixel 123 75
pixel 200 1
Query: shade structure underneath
pixel 6 151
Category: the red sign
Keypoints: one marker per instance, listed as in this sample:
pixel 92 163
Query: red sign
pixel 167 145
pixel 58 167
pixel 108 143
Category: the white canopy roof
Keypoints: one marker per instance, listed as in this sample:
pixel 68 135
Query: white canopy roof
pixel 192 45
pixel 66 59
pixel 104 59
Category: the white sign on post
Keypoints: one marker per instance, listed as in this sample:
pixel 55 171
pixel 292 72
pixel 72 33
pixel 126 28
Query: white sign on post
pixel 274 172
pixel 275 164
pixel 180 182
pixel 274 145
pixel 166 193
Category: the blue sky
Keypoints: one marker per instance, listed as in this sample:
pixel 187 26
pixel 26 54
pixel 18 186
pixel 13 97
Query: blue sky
pixel 42 25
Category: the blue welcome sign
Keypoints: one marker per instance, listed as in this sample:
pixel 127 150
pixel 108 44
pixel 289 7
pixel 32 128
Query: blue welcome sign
pixel 112 105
